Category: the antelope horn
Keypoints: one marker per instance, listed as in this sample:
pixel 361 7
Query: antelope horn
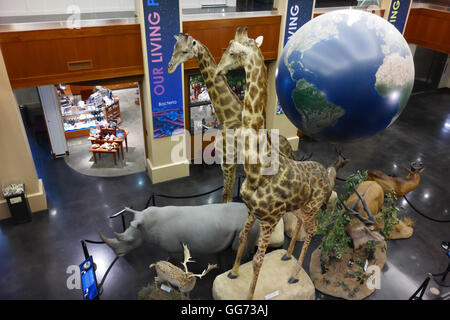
pixel 356 213
pixel 366 208
pixel 205 272
pixel 187 257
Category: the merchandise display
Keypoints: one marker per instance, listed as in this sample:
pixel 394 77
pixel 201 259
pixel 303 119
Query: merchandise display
pixel 78 115
pixel 351 95
pixel 268 199
pixel 104 139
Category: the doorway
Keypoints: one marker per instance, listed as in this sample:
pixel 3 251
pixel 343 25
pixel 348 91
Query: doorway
pixel 101 124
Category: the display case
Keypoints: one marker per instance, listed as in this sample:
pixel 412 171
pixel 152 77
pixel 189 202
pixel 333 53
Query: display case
pixel 202 116
pixel 80 116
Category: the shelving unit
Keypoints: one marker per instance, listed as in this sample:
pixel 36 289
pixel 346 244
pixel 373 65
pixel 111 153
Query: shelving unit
pixel 113 111
pixel 78 120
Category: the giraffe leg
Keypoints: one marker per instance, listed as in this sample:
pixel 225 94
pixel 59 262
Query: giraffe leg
pixel 288 255
pixel 229 172
pixel 310 222
pixel 266 232
pixel 242 241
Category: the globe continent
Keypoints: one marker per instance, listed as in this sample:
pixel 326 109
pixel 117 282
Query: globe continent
pixel 345 75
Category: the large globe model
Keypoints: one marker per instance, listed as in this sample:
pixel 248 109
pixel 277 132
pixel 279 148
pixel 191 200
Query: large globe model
pixel 345 75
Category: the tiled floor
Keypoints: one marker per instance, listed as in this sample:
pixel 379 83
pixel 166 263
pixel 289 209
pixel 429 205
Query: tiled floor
pixel 35 256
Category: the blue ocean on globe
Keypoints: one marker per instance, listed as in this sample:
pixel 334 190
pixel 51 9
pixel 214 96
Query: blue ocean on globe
pixel 345 75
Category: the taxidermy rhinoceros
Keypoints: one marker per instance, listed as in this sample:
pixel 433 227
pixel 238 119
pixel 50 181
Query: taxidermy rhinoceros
pixel 206 229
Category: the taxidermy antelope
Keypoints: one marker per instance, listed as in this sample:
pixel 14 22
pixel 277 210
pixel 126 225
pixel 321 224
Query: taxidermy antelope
pixel 400 186
pixel 183 280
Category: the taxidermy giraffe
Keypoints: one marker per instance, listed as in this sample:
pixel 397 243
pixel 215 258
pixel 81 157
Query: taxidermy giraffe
pixel 299 187
pixel 226 103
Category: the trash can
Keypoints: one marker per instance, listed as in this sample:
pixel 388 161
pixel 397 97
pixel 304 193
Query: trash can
pixel 14 195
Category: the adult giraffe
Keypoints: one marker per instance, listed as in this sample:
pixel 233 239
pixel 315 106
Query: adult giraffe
pixel 226 103
pixel 299 187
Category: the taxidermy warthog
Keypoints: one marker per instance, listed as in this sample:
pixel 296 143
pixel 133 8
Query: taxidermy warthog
pixel 205 229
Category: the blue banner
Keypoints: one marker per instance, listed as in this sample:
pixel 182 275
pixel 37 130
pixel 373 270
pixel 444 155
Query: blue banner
pixel 398 13
pixel 298 13
pixel 162 22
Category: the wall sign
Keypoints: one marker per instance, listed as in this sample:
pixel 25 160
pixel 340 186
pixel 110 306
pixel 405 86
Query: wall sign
pixel 298 13
pixel 162 22
pixel 398 13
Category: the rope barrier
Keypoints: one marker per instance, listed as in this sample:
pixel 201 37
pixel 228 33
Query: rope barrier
pixel 423 215
pixel 93 242
pixel 187 197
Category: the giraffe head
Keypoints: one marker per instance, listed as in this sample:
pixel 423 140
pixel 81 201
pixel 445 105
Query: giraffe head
pixel 239 52
pixel 184 49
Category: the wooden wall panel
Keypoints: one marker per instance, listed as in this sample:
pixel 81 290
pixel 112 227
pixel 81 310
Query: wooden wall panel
pixel 216 34
pixel 429 28
pixel 42 57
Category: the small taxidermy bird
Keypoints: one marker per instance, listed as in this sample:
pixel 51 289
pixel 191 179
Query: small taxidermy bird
pixel 183 280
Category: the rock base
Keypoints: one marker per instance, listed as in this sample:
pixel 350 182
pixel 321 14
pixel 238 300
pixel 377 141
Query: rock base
pixel 401 231
pixel 272 281
pixel 343 280
pixel 152 292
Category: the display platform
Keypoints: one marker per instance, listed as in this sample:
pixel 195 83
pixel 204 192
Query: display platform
pixel 272 282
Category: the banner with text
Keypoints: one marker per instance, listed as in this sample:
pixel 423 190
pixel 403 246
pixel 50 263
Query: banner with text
pixel 162 22
pixel 298 13
pixel 398 13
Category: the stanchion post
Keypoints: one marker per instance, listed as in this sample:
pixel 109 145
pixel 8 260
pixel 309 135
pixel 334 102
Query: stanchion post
pixel 123 222
pixel 85 249
pixel 239 188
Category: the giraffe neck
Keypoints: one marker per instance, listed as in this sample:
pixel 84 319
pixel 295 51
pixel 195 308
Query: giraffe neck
pixel 226 103
pixel 255 101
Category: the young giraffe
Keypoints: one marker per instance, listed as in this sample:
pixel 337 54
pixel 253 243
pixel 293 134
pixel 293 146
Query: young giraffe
pixel 299 187
pixel 226 103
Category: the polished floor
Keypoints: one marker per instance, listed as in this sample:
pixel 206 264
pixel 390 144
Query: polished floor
pixel 35 257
